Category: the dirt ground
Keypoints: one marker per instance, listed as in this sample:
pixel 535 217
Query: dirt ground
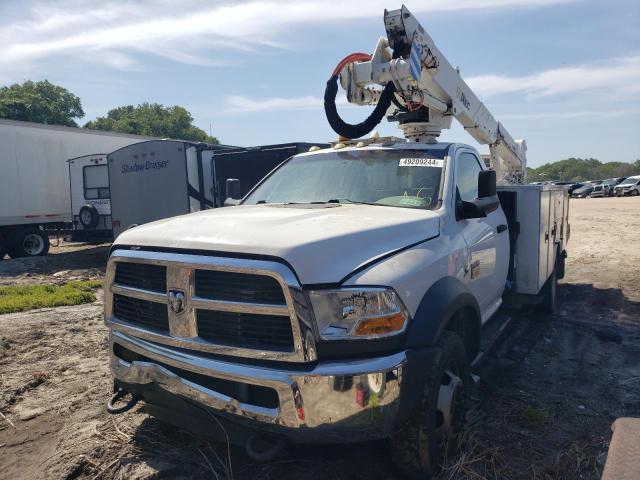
pixel 543 409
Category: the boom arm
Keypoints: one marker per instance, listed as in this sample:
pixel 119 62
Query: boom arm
pixel 429 92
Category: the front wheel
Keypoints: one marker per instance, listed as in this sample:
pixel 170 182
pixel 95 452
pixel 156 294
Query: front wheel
pixel 419 450
pixel 635 193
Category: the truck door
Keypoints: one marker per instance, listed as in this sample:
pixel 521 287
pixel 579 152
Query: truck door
pixel 487 240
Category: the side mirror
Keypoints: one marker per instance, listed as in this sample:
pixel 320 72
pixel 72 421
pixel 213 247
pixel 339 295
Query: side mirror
pixel 486 202
pixel 486 183
pixel 232 192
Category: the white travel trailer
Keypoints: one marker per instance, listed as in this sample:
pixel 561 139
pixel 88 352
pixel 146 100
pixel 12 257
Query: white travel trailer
pixel 90 198
pixel 34 182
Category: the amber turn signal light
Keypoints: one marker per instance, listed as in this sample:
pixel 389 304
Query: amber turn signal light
pixel 381 325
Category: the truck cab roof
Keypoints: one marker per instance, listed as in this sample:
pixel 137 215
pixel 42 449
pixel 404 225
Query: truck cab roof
pixel 440 149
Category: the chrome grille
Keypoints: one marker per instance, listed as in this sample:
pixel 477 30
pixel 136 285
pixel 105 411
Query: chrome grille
pixel 219 305
pixel 141 313
pixel 238 287
pixel 245 329
pixel 142 275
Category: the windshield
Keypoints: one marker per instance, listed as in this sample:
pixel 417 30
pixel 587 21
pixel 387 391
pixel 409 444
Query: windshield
pixel 398 178
pixel 630 181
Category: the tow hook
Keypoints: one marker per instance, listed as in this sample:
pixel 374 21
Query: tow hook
pixel 118 395
pixel 262 448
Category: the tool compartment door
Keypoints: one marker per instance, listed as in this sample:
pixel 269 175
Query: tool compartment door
pixel 148 182
pixel 547 233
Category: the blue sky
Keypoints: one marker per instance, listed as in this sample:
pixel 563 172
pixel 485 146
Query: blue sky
pixel 563 74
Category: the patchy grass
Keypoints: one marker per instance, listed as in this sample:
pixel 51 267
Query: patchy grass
pixel 535 416
pixel 14 298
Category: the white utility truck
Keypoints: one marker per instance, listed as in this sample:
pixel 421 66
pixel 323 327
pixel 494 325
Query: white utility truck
pixel 34 181
pixel 348 295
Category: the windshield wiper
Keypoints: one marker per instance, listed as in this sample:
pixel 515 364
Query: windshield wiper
pixel 348 200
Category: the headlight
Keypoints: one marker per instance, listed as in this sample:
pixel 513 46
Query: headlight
pixel 358 313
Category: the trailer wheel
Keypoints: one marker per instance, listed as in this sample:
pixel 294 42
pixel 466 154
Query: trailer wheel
pixel 89 217
pixel 419 450
pixel 28 242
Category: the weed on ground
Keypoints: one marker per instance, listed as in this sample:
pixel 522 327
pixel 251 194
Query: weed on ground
pixel 19 298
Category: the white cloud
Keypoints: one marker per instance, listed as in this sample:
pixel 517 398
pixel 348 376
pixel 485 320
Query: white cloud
pixel 242 104
pixel 606 76
pixel 186 31
pixel 569 114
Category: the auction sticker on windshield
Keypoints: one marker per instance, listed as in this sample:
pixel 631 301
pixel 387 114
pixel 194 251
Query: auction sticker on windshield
pixel 421 162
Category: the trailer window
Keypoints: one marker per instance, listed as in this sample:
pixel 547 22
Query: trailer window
pixel 96 182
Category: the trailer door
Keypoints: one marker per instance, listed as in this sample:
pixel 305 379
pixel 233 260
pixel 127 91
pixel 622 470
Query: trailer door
pixel 148 182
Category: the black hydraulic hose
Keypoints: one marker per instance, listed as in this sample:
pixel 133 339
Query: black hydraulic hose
pixel 348 130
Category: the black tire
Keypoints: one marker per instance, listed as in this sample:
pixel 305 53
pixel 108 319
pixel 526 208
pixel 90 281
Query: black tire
pixel 419 450
pixel 561 264
pixel 89 217
pixel 635 193
pixel 28 242
pixel 549 294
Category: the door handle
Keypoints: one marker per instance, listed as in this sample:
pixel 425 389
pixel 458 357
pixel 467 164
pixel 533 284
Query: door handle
pixel 501 228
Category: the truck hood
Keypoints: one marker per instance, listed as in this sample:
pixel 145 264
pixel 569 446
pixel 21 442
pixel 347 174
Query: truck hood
pixel 322 242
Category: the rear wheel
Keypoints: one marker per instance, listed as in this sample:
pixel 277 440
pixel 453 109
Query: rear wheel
pixel 28 242
pixel 419 450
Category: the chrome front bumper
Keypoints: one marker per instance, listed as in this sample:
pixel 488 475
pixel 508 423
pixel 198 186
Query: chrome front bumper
pixel 330 402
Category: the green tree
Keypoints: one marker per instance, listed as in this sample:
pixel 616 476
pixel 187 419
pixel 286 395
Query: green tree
pixel 154 120
pixel 581 169
pixel 41 102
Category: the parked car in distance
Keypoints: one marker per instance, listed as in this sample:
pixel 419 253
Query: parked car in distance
pixel 611 184
pixel 572 185
pixel 575 186
pixel 601 190
pixel 586 189
pixel 630 186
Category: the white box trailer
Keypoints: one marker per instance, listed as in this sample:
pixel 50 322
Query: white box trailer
pixel 34 182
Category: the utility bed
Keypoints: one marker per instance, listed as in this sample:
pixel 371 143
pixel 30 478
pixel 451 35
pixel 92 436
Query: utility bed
pixel 538 218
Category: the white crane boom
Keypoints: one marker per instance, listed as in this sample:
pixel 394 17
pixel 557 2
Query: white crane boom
pixel 429 92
